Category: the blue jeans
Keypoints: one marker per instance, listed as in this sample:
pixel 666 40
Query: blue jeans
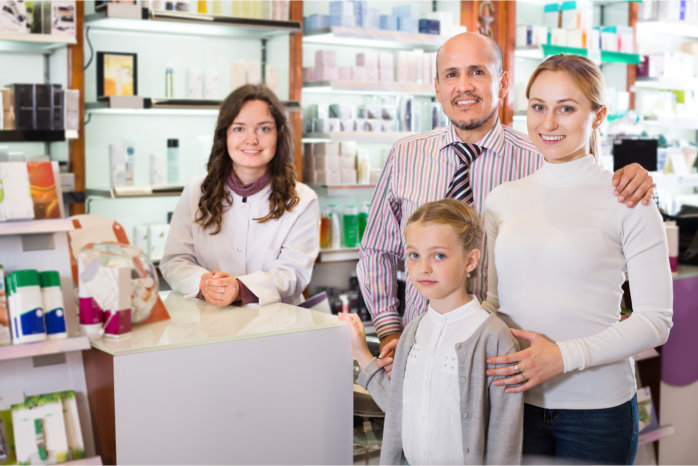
pixel 598 436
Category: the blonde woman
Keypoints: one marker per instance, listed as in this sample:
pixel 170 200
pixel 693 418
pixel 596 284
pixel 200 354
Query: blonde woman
pixel 559 248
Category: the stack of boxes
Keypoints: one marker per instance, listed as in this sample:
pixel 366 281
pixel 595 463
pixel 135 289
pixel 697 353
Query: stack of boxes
pixel 39 107
pixel 374 118
pixel 56 17
pixel 569 24
pixel 330 163
pixel 404 18
pixel 414 66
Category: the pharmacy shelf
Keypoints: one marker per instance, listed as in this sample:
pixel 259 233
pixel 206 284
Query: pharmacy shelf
pixel 358 87
pixel 373 38
pixel 32 135
pixel 33 43
pixel 156 106
pixel 181 22
pixel 358 136
pixel 656 434
pixel 42 348
pixel 678 28
pixel 30 227
pixel 688 84
pixel 338 255
pixel 675 123
pixel 674 180
pixel 545 50
pixel 345 189
pixel 136 191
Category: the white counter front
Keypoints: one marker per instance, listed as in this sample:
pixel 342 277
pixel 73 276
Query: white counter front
pixel 267 385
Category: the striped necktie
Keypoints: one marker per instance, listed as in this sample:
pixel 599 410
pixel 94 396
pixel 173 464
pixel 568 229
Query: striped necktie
pixel 459 188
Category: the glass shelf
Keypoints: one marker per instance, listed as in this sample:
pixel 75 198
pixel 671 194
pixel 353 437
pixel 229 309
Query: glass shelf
pixel 688 84
pixel 338 255
pixel 358 87
pixel 345 189
pixel 29 227
pixel 676 123
pixel 155 106
pixel 678 28
pixel 136 191
pixel 358 136
pixel 373 38
pixel 33 43
pixel 41 348
pixel 180 22
pixel 545 50
pixel 32 135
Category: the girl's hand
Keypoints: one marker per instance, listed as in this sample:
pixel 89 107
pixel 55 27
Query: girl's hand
pixel 359 347
pixel 534 365
pixel 219 288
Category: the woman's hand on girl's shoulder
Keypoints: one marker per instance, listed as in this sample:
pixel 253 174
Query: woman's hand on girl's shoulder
pixel 541 361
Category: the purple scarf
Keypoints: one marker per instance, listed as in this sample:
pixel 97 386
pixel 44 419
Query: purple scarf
pixel 246 190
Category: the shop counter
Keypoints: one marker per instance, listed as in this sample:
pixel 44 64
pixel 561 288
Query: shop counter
pixel 224 385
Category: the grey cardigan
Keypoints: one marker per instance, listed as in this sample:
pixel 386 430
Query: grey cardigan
pixel 492 420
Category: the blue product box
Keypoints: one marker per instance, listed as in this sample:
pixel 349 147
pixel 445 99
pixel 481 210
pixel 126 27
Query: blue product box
pixel 424 26
pixel 341 8
pixel 388 22
pixel 316 21
pixel 343 21
pixel 372 19
pixel 434 27
pixel 407 24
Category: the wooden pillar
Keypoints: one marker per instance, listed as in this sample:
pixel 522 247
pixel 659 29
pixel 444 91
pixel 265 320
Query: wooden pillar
pixel 76 80
pixel 632 69
pixel 295 85
pixel 496 19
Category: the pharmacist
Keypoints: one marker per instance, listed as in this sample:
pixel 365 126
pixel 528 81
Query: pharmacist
pixel 246 232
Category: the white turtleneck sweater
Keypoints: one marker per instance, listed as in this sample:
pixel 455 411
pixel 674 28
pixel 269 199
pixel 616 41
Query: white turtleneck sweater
pixel 559 245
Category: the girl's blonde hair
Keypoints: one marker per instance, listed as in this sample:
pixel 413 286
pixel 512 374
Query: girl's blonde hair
pixel 587 76
pixel 458 215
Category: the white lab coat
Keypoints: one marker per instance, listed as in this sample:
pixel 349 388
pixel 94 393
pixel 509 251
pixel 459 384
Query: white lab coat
pixel 273 259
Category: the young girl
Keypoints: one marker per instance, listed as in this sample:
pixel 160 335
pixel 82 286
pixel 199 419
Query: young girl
pixel 246 232
pixel 439 407
pixel 559 248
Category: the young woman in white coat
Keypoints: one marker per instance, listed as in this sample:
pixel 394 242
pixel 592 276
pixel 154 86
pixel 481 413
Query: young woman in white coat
pixel 246 232
pixel 559 248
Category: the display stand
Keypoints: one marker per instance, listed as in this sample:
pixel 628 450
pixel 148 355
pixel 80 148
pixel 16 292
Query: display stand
pixel 51 365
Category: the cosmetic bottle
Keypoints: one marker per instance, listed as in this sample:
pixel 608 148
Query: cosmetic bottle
pixel 173 161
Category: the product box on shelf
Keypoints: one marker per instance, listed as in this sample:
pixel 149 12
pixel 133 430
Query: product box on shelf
pixel 76 445
pixel 16 202
pixel 62 17
pixel 25 110
pixel 39 430
pixel 13 17
pixel 43 190
pixel 7 436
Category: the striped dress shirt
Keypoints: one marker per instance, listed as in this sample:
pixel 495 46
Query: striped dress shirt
pixel 419 169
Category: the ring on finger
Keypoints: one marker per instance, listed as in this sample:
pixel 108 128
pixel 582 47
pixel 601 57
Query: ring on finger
pixel 516 369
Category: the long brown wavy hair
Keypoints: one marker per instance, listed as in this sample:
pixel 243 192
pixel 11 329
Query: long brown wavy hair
pixel 215 199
